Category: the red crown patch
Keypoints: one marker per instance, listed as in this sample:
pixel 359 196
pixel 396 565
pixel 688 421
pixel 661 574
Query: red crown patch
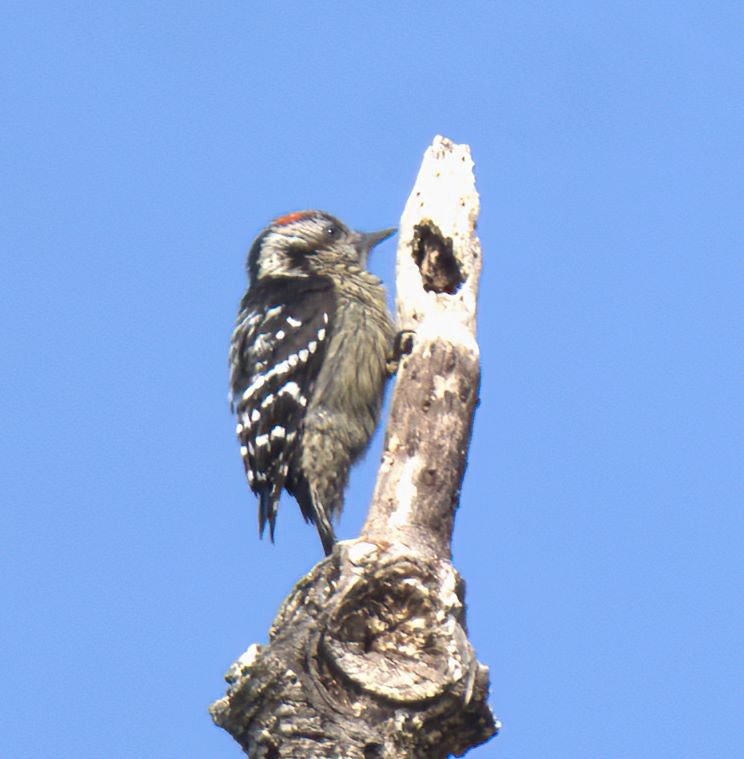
pixel 290 217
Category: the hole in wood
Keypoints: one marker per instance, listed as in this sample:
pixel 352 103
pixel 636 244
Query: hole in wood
pixel 432 252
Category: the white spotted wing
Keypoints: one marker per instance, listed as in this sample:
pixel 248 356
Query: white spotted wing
pixel 276 352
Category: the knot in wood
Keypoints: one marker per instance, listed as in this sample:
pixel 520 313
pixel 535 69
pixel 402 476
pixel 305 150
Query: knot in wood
pixel 396 633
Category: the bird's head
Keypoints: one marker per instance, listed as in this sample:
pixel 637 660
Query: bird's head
pixel 309 242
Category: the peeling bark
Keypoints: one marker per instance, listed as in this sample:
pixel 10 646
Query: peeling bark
pixel 368 656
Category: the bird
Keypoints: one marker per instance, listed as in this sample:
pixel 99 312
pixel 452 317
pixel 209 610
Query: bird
pixel 311 351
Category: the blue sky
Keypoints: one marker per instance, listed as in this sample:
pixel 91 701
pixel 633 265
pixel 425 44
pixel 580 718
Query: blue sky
pixel 600 529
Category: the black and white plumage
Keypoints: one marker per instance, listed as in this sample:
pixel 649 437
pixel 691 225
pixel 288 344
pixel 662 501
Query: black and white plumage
pixel 309 357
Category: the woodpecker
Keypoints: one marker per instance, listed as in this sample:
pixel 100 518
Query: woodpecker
pixel 311 351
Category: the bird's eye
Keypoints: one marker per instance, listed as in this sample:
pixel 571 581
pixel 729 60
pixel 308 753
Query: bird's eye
pixel 332 231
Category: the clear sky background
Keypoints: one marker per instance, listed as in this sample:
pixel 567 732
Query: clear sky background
pixel 600 530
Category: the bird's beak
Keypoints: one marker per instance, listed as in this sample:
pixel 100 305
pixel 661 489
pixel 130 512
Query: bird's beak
pixel 368 240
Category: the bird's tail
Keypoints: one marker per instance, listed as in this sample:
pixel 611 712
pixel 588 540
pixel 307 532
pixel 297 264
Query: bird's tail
pixel 268 503
pixel 314 510
pixel 325 529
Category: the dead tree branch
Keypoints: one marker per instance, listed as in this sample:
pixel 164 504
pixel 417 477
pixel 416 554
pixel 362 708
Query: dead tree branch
pixel 369 655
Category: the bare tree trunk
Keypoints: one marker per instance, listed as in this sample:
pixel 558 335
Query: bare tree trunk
pixel 369 655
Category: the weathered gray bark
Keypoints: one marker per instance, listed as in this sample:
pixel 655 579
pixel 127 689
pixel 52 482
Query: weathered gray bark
pixel 369 655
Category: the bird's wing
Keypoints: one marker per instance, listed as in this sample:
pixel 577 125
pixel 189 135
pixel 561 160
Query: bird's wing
pixel 276 352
